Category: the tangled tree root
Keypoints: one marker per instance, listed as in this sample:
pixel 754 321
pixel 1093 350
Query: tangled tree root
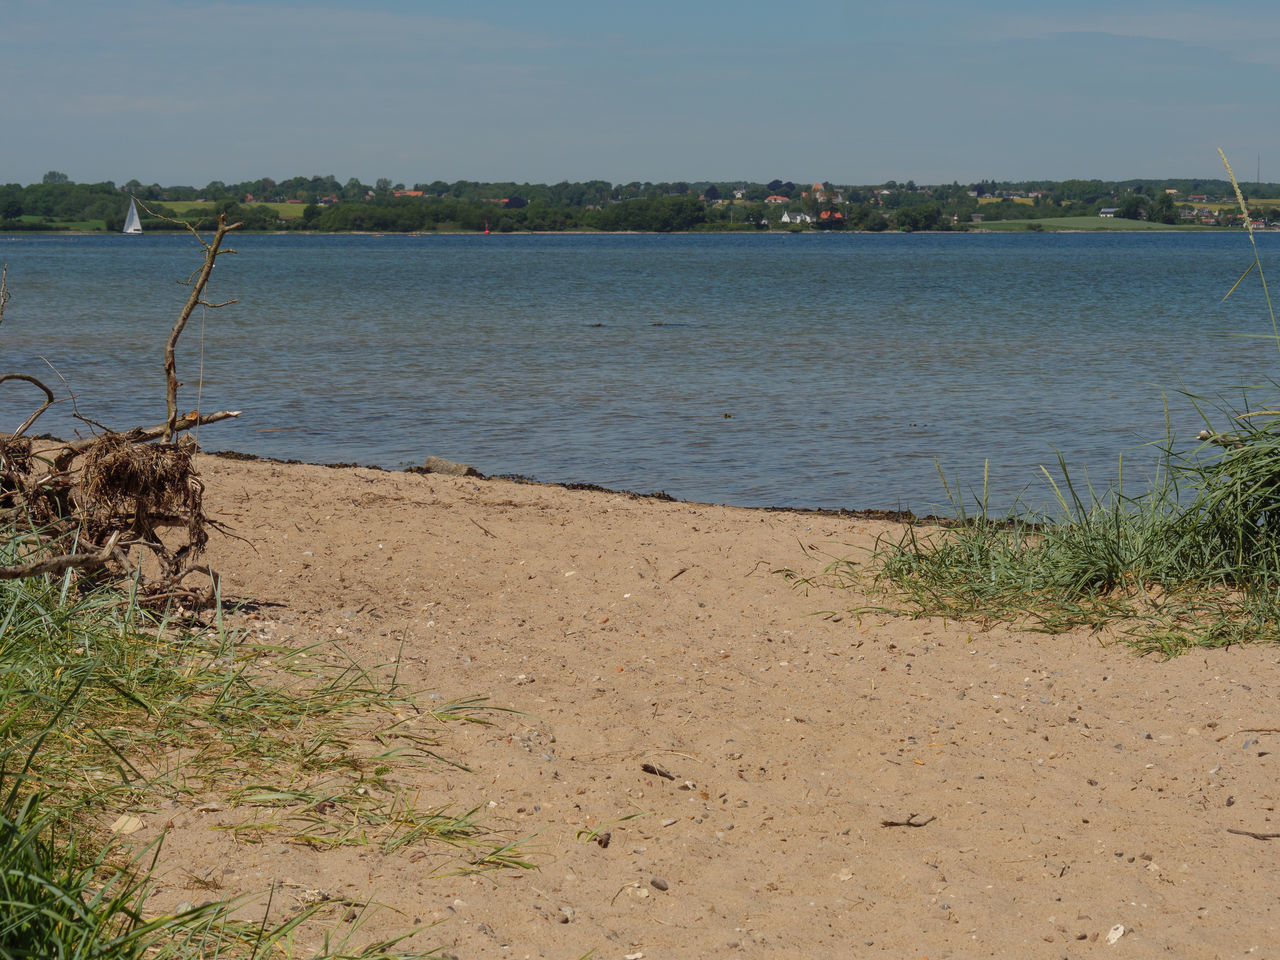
pixel 118 505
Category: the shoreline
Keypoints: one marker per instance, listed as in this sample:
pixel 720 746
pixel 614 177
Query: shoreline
pixel 985 231
pixel 864 513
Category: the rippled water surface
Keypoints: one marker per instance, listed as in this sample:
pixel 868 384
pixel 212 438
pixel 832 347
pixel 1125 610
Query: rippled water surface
pixel 765 370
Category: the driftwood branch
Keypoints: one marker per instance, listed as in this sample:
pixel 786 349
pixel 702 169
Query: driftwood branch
pixel 146 434
pixel 62 564
pixel 196 299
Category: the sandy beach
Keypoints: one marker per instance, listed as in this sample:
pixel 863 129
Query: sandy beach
pixel 775 774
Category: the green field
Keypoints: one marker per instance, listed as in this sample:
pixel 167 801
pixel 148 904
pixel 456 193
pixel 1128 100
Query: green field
pixel 183 208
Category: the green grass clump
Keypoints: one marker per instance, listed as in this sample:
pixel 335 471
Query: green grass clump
pixel 1165 571
pixel 1194 560
pixel 106 708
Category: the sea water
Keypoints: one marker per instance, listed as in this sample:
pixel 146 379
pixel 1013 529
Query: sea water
pixel 839 370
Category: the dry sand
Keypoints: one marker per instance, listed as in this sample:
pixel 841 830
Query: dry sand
pixel 1060 785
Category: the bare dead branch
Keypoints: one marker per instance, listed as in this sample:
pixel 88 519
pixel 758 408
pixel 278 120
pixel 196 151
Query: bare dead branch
pixel 144 434
pixel 49 398
pixel 197 568
pixel 177 223
pixel 63 563
pixel 170 362
pixel 4 290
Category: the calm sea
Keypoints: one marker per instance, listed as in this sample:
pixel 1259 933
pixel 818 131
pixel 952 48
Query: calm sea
pixel 811 370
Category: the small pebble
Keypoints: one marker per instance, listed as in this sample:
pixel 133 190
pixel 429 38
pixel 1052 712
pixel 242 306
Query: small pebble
pixel 658 883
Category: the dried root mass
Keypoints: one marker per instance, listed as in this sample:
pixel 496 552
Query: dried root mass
pixel 120 505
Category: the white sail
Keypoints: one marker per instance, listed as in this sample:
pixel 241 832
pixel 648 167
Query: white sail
pixel 132 223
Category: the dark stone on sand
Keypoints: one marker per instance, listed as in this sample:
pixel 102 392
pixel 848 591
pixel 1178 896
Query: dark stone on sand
pixel 449 468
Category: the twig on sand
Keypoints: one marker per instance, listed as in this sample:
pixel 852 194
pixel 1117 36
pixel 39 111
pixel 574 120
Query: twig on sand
pixel 1248 730
pixel 483 529
pixel 1256 836
pixel 909 822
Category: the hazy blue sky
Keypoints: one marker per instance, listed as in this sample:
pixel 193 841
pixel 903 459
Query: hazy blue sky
pixel 546 90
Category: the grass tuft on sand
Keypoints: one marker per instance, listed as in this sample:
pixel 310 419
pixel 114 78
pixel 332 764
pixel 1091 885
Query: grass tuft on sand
pixel 106 709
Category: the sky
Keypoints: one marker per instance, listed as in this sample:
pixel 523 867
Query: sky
pixel 933 91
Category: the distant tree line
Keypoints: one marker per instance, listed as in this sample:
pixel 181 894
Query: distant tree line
pixel 324 203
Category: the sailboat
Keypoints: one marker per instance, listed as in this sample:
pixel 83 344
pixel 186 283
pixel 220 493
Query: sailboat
pixel 132 223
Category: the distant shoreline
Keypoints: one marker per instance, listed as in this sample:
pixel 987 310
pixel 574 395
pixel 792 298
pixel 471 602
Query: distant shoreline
pixel 984 231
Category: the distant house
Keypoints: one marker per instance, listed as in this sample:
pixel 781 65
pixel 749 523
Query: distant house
pixel 1108 211
pixel 406 193
pixel 796 218
pixel 777 199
